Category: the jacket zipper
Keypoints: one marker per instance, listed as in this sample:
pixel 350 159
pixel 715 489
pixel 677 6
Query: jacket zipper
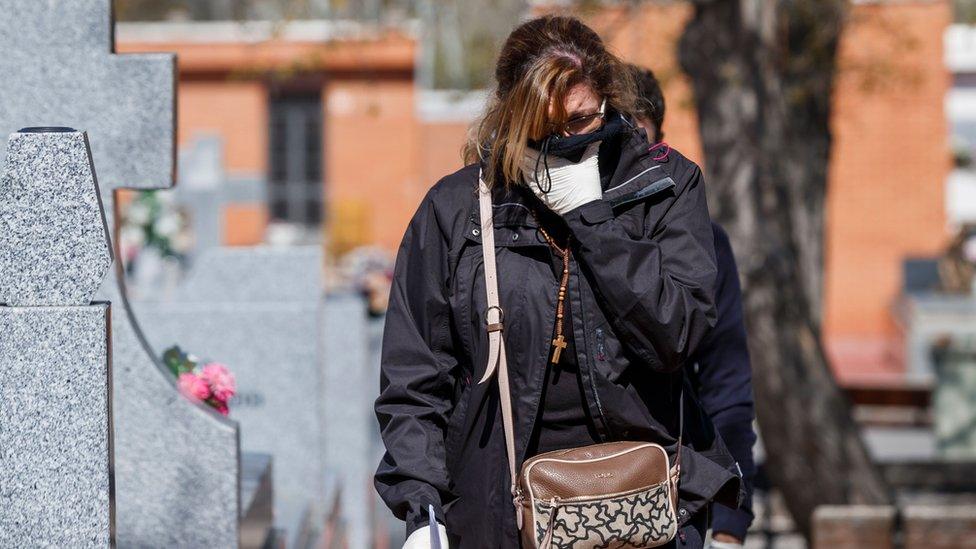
pixel 600 351
pixel 596 396
pixel 599 407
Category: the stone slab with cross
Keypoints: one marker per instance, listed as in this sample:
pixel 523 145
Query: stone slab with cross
pixel 307 367
pixel 55 409
pixel 177 463
pixel 267 326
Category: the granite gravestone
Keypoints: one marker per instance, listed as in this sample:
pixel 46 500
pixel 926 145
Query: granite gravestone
pixel 352 438
pixel 307 370
pixel 928 318
pixel 205 188
pixel 259 311
pixel 57 67
pixel 55 407
pixel 177 464
pixel 201 177
pixel 954 397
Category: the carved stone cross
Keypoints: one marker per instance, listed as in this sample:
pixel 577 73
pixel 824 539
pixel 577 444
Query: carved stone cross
pixel 59 69
pixel 177 463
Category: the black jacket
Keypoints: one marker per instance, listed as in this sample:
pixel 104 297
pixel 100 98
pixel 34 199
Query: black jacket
pixel 641 283
pixel 722 377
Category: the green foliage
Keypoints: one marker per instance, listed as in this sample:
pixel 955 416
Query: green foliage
pixel 465 37
pixel 148 10
pixel 965 11
pixel 153 221
pixel 177 361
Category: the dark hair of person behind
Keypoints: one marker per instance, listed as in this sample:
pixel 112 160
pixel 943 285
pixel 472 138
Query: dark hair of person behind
pixel 541 60
pixel 650 100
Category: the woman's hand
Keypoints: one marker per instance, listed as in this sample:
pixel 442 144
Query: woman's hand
pixel 420 538
pixel 658 290
pixel 573 183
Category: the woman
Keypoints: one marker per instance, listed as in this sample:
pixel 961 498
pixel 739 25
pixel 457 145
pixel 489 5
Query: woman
pixel 605 268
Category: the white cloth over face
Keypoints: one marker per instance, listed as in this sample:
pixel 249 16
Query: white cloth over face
pixel 420 538
pixel 573 183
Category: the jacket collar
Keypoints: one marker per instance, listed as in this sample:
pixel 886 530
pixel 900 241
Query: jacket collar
pixel 624 157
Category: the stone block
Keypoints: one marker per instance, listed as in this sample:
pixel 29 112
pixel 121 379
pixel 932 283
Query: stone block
pixel 56 454
pixel 54 247
pixel 940 526
pixel 853 527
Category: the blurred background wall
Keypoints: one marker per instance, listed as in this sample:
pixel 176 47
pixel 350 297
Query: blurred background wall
pixel 334 118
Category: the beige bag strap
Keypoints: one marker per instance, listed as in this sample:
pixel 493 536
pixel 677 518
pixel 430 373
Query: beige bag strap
pixel 494 316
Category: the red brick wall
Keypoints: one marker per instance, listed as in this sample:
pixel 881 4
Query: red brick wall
pixel 371 156
pixel 888 170
pixel 235 109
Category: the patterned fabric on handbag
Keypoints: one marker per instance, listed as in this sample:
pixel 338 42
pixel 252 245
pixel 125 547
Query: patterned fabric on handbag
pixel 608 495
pixel 640 519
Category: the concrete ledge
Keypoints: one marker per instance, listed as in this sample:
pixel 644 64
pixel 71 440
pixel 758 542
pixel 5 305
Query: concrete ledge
pixel 928 526
pixel 940 526
pixel 853 527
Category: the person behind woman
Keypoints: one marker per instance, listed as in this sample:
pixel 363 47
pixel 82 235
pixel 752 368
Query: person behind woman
pixel 720 370
pixel 606 268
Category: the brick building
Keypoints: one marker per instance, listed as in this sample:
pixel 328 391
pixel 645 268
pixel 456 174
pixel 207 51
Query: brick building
pixel 328 120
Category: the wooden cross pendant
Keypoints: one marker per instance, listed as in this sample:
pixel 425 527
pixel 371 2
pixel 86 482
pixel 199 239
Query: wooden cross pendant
pixel 559 344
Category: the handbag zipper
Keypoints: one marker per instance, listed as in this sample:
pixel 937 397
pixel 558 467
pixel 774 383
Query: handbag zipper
pixel 527 470
pixel 546 542
pixel 586 499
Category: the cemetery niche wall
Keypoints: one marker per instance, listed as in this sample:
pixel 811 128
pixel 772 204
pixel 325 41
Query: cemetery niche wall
pixel 56 461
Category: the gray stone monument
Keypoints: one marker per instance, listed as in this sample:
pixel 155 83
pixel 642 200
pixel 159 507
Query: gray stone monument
pixel 259 311
pixel 201 177
pixel 929 317
pixel 205 187
pixel 307 371
pixel 351 433
pixel 56 481
pixel 954 397
pixel 177 464
pixel 58 68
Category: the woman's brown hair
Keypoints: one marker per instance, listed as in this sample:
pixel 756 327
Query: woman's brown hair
pixel 542 59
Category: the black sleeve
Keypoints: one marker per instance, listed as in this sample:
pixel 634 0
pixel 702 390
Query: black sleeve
pixel 416 377
pixel 658 289
pixel 725 384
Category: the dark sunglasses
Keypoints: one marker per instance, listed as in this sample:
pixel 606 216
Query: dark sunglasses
pixel 583 123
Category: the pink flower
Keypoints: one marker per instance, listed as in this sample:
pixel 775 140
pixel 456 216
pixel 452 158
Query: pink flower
pixel 221 381
pixel 193 387
pixel 222 408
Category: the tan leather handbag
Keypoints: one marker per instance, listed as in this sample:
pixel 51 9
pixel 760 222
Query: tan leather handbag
pixel 614 494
